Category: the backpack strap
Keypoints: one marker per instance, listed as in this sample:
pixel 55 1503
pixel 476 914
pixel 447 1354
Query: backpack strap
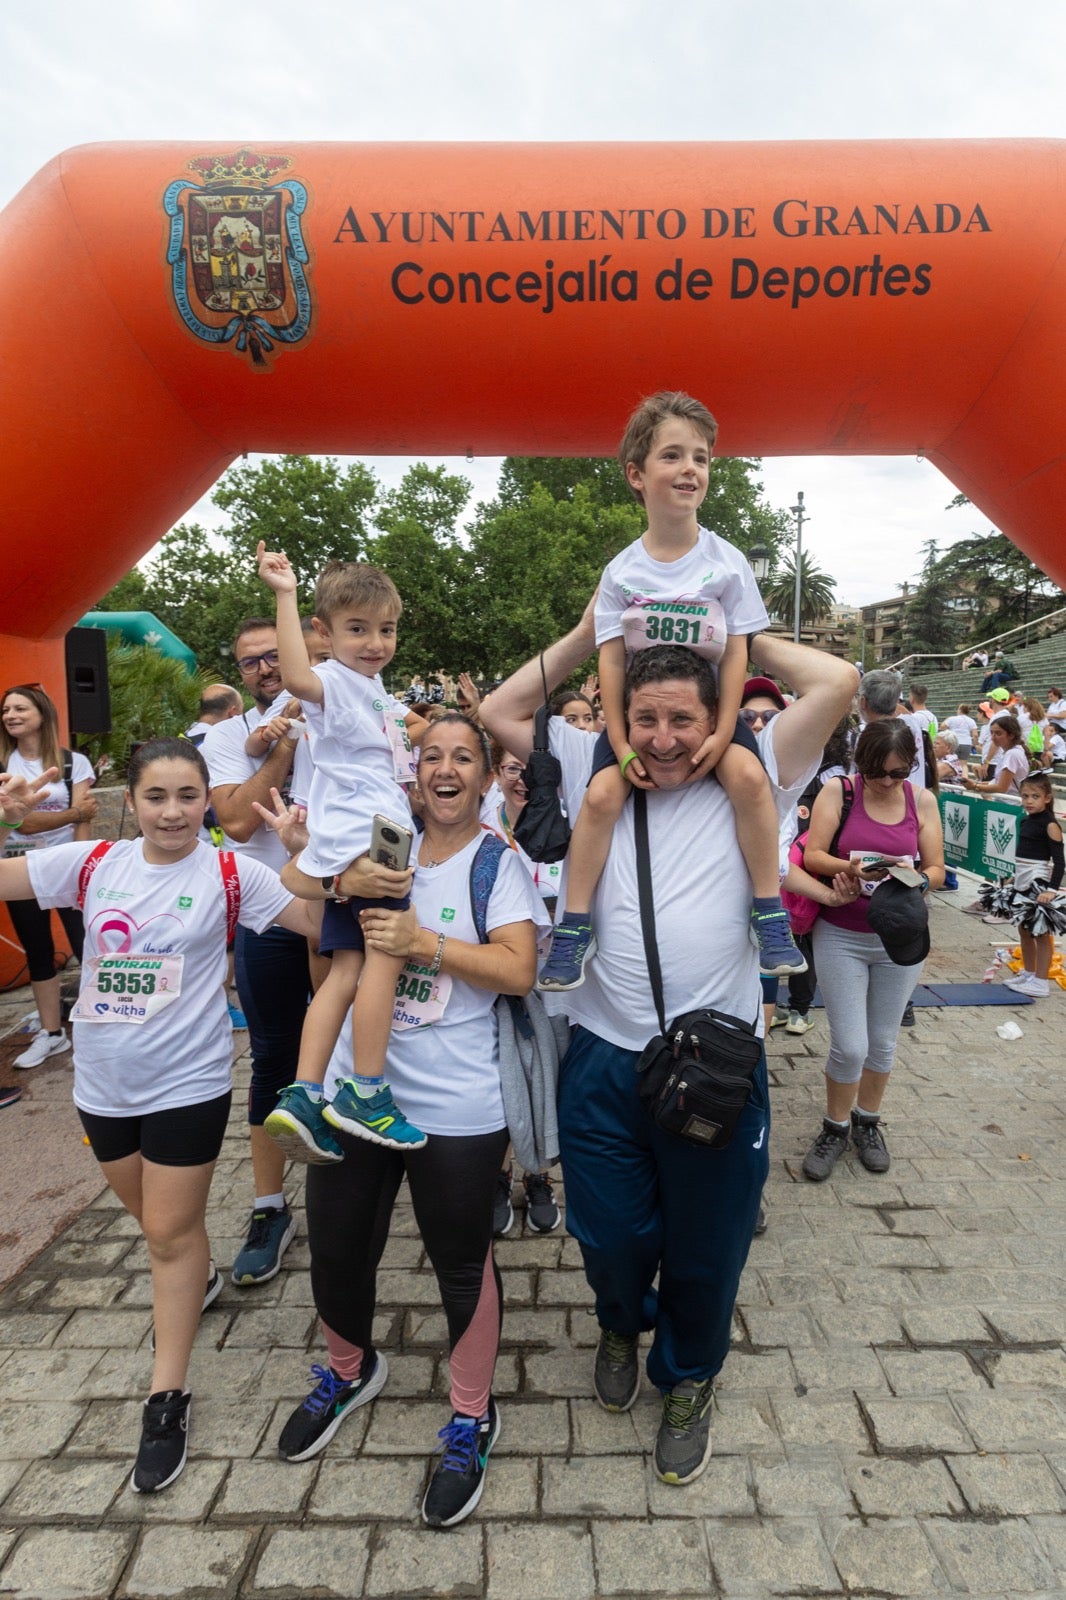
pixel 68 772
pixel 231 888
pixel 845 807
pixel 483 871
pixel 89 866
pixel 227 861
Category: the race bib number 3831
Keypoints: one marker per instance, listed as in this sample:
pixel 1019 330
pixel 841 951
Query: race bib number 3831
pixel 128 988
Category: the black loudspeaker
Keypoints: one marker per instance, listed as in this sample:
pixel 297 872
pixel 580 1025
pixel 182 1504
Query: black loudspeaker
pixel 88 692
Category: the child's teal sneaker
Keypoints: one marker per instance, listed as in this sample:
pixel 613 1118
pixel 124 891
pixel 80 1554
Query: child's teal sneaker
pixel 376 1117
pixel 299 1127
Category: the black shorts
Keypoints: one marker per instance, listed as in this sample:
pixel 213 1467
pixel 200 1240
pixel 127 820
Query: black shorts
pixel 184 1136
pixel 603 756
pixel 340 922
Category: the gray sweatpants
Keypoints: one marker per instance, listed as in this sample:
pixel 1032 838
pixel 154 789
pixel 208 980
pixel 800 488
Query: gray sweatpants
pixel 865 994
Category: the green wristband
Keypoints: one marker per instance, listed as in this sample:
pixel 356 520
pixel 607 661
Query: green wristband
pixel 622 765
pixel 4 824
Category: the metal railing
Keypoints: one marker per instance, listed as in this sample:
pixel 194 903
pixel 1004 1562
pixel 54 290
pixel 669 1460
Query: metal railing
pixel 1020 637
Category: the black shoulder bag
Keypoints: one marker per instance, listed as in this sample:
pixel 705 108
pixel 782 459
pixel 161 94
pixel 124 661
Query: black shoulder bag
pixel 542 827
pixel 696 1075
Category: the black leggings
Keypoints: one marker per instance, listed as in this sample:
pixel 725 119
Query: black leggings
pixel 33 929
pixel 453 1184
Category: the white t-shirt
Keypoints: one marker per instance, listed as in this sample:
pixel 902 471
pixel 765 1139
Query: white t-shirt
pixel 927 720
pixel 446 1076
pixel 228 762
pixel 1016 762
pixel 1057 711
pixel 707 595
pixel 962 727
pixel 183 1054
pixel 55 797
pixel 355 772
pixel 702 904
pixel 490 806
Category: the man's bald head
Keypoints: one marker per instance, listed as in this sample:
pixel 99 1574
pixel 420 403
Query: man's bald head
pixel 219 702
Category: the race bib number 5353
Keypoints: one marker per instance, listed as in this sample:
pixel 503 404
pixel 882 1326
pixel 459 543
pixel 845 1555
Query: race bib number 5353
pixel 128 988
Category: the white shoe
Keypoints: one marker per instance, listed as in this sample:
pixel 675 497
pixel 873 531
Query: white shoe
pixel 1036 988
pixel 1020 981
pixel 43 1045
pixel 995 919
pixel 798 1023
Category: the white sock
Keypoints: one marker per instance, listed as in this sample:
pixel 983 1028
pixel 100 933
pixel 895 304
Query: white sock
pixel 264 1200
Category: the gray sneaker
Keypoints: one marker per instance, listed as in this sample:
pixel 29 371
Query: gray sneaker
pixel 616 1375
pixel 869 1142
pixel 825 1152
pixel 798 1022
pixel 683 1443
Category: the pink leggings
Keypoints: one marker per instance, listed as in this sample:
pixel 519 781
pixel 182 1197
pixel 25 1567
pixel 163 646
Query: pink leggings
pixel 349 1206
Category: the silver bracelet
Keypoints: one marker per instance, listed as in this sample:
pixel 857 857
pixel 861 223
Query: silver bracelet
pixel 438 956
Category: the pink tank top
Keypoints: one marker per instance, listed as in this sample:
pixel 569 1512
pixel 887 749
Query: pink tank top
pixel 862 832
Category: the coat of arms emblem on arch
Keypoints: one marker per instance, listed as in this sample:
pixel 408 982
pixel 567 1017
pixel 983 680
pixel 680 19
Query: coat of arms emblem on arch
pixel 236 253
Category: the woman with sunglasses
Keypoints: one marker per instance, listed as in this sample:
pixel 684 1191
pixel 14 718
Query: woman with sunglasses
pixel 864 990
pixel 29 744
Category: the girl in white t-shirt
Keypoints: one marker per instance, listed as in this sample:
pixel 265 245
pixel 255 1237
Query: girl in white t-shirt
pixel 153 1044
pixel 1008 760
pixel 29 743
pixel 678 584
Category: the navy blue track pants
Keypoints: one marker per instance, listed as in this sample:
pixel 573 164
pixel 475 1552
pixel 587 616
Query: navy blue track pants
pixel 643 1202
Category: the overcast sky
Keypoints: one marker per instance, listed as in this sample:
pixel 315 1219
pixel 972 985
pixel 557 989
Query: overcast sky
pixel 561 69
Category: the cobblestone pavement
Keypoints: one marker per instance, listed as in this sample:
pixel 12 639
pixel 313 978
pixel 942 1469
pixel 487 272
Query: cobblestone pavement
pixel 892 1419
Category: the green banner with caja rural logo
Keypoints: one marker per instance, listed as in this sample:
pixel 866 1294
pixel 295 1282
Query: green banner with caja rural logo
pixel 980 835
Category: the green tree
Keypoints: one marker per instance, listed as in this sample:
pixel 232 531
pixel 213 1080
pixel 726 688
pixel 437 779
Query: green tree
pixel 203 584
pixel 932 623
pixel 304 505
pixel 1008 588
pixel 817 589
pixel 420 550
pixel 533 565
pixel 600 476
pixel 195 587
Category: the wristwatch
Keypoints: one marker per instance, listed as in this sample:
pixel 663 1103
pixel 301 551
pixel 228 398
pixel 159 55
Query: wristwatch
pixel 332 888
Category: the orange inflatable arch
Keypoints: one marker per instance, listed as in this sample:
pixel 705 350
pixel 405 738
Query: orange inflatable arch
pixel 168 306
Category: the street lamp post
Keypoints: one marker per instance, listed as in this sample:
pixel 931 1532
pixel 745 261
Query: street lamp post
pixel 800 516
pixel 759 560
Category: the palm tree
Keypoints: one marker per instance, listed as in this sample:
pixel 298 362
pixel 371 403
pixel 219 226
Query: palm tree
pixel 817 589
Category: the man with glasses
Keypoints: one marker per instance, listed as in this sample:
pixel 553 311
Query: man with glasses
pixel 273 980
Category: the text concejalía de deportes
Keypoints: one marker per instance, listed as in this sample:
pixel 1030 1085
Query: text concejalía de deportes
pixel 414 283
